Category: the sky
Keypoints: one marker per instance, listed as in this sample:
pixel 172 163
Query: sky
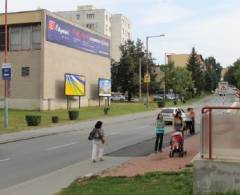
pixel 211 26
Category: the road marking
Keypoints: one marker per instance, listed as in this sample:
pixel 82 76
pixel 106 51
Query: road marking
pixel 116 133
pixel 142 127
pixel 6 159
pixel 62 146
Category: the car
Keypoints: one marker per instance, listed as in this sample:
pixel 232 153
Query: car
pixel 158 97
pixel 170 96
pixel 118 98
pixel 168 114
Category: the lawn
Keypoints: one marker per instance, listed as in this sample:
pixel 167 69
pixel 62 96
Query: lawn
pixel 156 183
pixel 17 117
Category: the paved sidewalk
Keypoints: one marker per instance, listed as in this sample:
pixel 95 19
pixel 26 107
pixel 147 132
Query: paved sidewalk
pixel 159 161
pixel 78 126
pixel 53 182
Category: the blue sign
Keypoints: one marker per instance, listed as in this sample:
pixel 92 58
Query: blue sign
pixel 6 72
pixel 71 36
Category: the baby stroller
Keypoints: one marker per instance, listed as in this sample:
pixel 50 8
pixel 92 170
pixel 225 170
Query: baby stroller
pixel 176 145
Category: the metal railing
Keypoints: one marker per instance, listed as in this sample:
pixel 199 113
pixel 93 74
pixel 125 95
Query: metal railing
pixel 220 135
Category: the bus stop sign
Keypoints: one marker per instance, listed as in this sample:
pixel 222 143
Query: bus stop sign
pixel 6 71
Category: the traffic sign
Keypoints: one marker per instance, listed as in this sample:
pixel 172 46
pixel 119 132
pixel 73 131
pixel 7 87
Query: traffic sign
pixel 6 71
pixel 222 87
pixel 147 78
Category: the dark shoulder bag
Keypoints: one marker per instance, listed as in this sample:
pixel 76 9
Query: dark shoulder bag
pixel 91 135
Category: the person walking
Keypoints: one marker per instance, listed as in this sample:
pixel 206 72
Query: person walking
pixel 98 142
pixel 159 128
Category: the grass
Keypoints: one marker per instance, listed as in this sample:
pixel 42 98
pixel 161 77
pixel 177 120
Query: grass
pixel 17 117
pixel 156 183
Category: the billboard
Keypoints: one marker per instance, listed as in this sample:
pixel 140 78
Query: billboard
pixel 74 85
pixel 68 35
pixel 104 87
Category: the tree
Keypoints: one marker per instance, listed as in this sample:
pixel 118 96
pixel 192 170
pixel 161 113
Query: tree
pixel 195 67
pixel 212 74
pixel 233 74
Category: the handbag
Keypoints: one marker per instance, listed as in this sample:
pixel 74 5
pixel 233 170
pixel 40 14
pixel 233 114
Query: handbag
pixel 91 135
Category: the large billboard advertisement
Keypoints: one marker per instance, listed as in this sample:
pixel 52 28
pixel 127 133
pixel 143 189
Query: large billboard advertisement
pixel 74 85
pixel 71 36
pixel 104 87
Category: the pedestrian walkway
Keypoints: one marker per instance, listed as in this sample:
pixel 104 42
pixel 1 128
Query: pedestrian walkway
pixel 158 162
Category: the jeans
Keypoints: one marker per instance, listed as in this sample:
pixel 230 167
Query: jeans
pixel 158 142
pixel 97 149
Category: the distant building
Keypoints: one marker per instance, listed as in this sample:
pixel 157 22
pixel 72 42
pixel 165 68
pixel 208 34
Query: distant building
pixel 43 47
pixel 115 26
pixel 181 60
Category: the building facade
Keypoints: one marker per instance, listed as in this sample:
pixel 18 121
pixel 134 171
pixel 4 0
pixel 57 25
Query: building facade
pixel 43 47
pixel 115 26
pixel 181 60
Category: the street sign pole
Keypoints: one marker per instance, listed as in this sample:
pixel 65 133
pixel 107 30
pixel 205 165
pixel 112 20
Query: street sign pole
pixel 5 80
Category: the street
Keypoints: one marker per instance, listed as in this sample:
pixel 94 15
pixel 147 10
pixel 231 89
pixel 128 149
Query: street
pixel 25 160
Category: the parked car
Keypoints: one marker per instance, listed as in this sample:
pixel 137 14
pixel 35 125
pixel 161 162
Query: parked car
pixel 158 97
pixel 168 114
pixel 170 96
pixel 118 98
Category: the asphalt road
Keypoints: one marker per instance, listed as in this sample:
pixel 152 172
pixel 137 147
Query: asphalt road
pixel 25 160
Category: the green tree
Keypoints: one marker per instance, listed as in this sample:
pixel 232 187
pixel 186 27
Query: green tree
pixel 195 67
pixel 212 75
pixel 233 74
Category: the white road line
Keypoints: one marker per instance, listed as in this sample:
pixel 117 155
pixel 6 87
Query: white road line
pixel 62 146
pixel 6 159
pixel 116 133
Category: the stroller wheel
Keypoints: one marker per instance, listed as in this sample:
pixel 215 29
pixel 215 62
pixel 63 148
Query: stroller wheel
pixel 171 154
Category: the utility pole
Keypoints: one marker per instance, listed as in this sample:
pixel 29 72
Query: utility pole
pixel 140 79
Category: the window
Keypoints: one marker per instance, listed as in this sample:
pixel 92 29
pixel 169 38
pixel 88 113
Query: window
pixel 107 17
pixel 90 26
pixel 25 71
pixel 90 16
pixel 78 16
pixel 25 37
pixel 2 38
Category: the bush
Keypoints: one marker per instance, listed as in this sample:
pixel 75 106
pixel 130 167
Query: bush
pixel 175 102
pixel 73 114
pixel 55 119
pixel 161 104
pixel 106 110
pixel 33 120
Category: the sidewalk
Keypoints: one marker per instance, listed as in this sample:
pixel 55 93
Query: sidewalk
pixel 158 162
pixel 78 126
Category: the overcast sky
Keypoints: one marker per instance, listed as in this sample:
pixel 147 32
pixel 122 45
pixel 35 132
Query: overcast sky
pixel 211 26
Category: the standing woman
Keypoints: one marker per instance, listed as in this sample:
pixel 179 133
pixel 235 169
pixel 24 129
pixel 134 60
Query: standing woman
pixel 178 124
pixel 159 133
pixel 98 142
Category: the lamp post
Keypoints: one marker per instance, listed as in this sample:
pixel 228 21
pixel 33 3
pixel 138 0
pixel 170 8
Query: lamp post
pixel 147 73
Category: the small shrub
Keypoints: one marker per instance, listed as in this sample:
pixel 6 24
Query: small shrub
pixel 175 102
pixel 161 104
pixel 33 120
pixel 106 110
pixel 73 114
pixel 55 119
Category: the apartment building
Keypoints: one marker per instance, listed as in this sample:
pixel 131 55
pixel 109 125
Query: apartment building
pixel 43 48
pixel 115 26
pixel 181 60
